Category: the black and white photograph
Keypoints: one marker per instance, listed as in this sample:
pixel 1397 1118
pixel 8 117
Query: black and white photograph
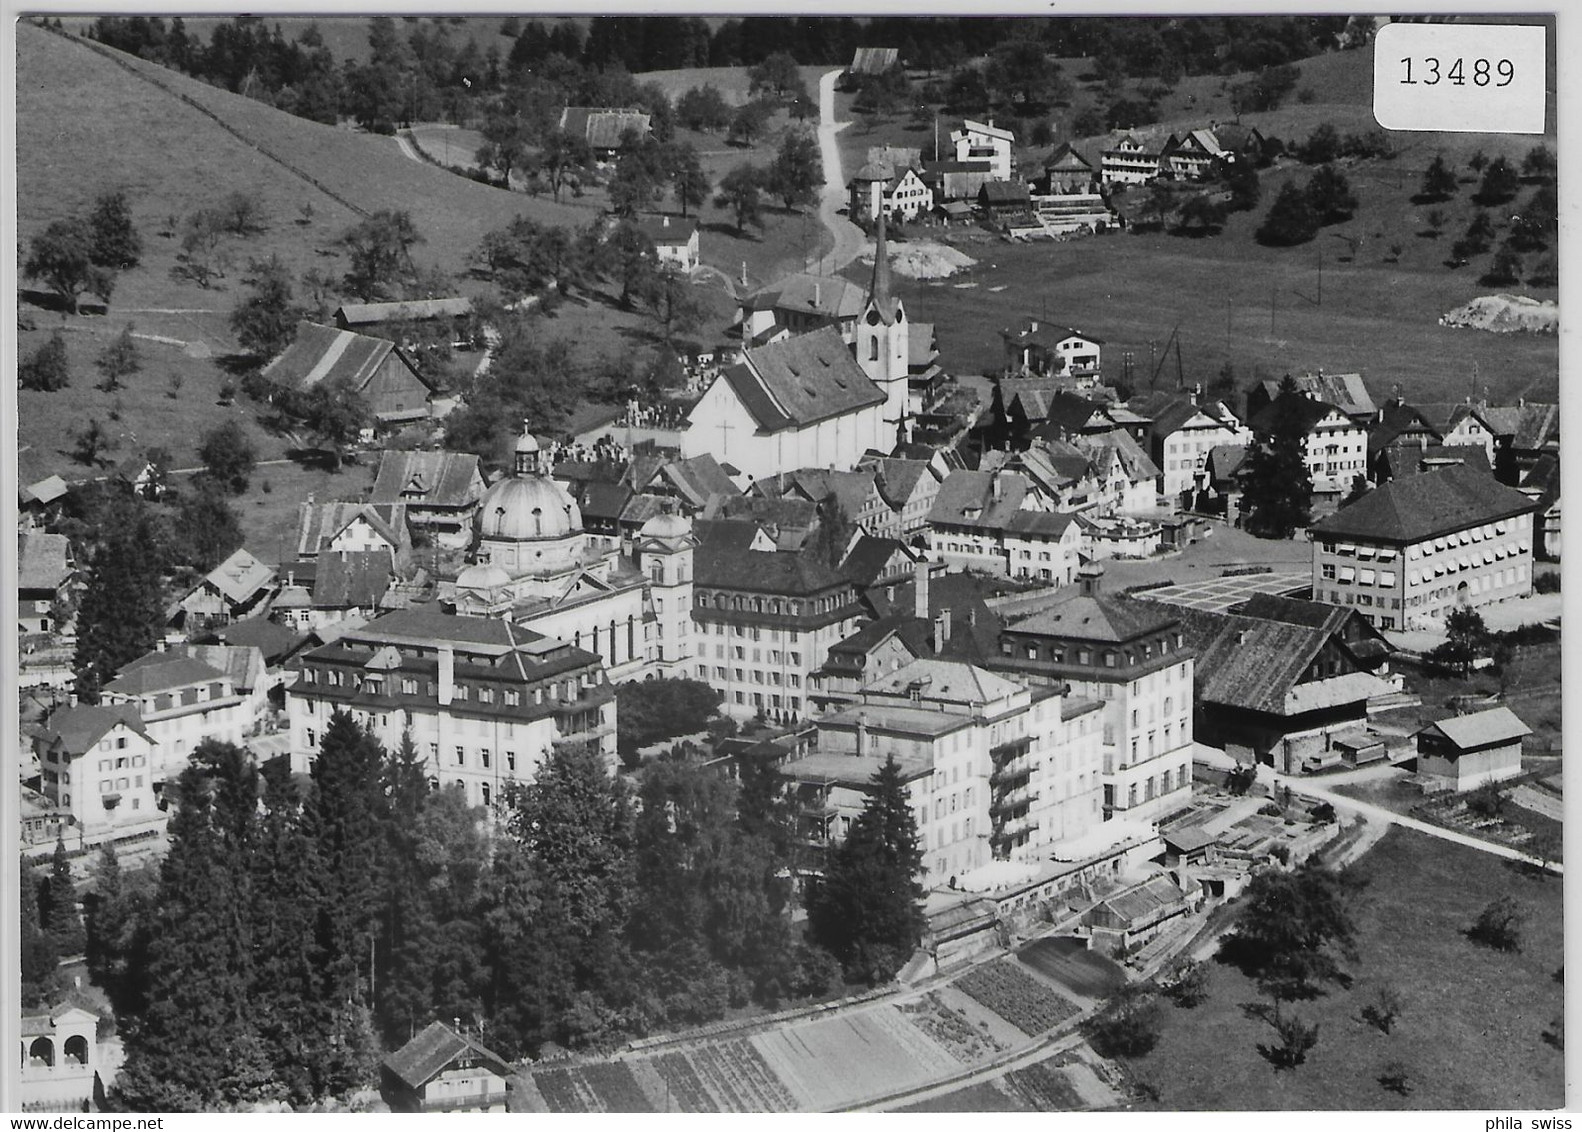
pixel 927 562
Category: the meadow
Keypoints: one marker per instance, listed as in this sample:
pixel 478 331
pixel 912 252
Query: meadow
pixel 1471 1031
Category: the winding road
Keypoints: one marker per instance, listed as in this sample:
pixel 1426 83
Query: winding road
pixel 849 240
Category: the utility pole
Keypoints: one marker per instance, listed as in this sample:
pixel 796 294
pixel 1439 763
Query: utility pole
pixel 1321 277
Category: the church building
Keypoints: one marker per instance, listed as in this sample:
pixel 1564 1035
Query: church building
pixel 536 566
pixel 811 400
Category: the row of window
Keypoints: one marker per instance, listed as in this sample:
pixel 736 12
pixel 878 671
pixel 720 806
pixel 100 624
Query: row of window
pixel 1056 652
pixel 739 652
pixel 754 675
pixel 791 607
pixel 374 685
pixel 110 786
pixel 120 763
pixel 749 632
pixel 760 700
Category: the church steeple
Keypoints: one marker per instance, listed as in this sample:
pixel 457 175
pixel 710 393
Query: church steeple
pixel 879 290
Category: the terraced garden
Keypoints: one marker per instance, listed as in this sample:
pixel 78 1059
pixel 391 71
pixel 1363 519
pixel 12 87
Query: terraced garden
pixel 1022 1000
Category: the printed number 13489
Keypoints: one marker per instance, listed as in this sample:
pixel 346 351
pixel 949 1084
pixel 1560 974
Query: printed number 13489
pixel 1480 72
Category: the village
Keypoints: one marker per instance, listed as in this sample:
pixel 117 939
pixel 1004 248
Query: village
pixel 1121 659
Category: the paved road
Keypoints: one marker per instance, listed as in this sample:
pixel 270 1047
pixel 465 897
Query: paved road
pixel 849 240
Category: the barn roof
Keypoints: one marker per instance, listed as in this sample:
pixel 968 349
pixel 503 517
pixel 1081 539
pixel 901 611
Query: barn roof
pixel 434 479
pixel 435 1047
pixel 874 60
pixel 240 576
pixel 1480 728
pixel 328 353
pixel 43 560
pixel 409 310
pixel 602 126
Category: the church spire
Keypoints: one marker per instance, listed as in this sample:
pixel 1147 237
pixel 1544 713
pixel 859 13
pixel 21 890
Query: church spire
pixel 879 290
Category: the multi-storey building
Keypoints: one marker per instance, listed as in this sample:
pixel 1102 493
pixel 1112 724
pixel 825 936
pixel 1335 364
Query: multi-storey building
pixel 999 523
pixel 1408 553
pixel 1135 660
pixel 98 765
pixel 1181 435
pixel 995 769
pixel 482 699
pixel 1129 162
pixel 182 701
pixel 984 141
pixel 764 621
pixel 1334 447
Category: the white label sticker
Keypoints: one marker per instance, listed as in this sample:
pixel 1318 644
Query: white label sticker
pixel 1464 78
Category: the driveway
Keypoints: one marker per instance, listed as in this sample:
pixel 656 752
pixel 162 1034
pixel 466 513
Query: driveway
pixel 849 240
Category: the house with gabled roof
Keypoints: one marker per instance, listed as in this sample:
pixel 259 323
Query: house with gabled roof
pixel 873 60
pixel 238 587
pixel 337 526
pixel 1347 392
pixel 382 373
pixel 1191 156
pixel 1463 752
pixel 1334 447
pixel 440 1070
pixel 1129 162
pixel 675 240
pixel 1067 171
pixel 182 701
pixel 1459 423
pixel 899 191
pixel 1038 348
pixel 693 482
pixel 1524 431
pixel 440 491
pixel 46 577
pixel 909 488
pixel 984 141
pixel 1410 551
pixel 999 522
pixel 800 303
pixel 1541 483
pixel 350 585
pixel 98 764
pixel 1181 435
pixel 604 128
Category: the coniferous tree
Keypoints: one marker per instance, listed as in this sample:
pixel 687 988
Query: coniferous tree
pixel 195 1045
pixel 1439 182
pixel 867 908
pixel 116 243
pixel 122 608
pixel 65 919
pixel 689 183
pixel 1279 490
pixel 117 936
pixel 1330 197
pixel 1291 219
pixel 36 949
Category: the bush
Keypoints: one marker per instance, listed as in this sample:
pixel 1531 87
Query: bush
pixel 1395 1078
pixel 1384 1008
pixel 1186 982
pixel 1547 583
pixel 1128 1026
pixel 1297 1038
pixel 1499 925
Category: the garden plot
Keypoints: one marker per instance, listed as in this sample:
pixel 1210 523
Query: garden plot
pixel 961 1026
pixel 837 1061
pixel 1013 993
pixel 1045 1087
pixel 739 1078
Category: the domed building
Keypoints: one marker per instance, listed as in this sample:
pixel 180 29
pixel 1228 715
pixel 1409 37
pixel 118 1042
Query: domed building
pixel 536 565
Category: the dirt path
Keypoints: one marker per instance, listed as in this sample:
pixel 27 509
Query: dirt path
pixel 848 238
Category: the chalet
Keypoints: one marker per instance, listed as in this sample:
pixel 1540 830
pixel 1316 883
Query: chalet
pixel 35 499
pixel 1280 679
pixel 1239 140
pixel 800 303
pixel 909 488
pixel 1067 171
pixel 1047 350
pixel 382 373
pixel 350 584
pixel 604 128
pixel 46 572
pixel 439 1070
pixel 694 482
pixel 1411 551
pixel 1004 201
pixel 336 526
pixel 1128 162
pixel 675 240
pixel 439 490
pixel 1191 156
pixel 356 316
pixel 1464 752
pixel 99 765
pixel 238 587
pixel 980 141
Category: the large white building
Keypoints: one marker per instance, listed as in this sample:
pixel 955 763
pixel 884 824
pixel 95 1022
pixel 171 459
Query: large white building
pixel 806 401
pixel 1334 447
pixel 995 769
pixel 1408 553
pixel 183 701
pixel 98 764
pixel 983 141
pixel 482 699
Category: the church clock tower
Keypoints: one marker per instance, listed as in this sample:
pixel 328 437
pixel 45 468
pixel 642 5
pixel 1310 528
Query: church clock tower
pixel 883 341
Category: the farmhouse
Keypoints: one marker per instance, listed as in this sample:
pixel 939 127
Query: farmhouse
pixel 899 191
pixel 338 526
pixel 603 128
pixel 1067 171
pixel 1191 156
pixel 675 241
pixel 439 1070
pixel 378 370
pixel 1464 752
pixel 1408 553
pixel 956 181
pixel 439 492
pixel 1128 162
pixel 1046 350
pixel 236 588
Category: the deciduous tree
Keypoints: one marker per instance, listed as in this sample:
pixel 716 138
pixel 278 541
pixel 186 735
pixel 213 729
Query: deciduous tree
pixel 1439 182
pixel 1292 932
pixel 265 321
pixel 61 257
pixel 797 171
pixel 46 369
pixel 116 243
pixel 120 359
pixel 689 184
pixel 228 456
pixel 741 192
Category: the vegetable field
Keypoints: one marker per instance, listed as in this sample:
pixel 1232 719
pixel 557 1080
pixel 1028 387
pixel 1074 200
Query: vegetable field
pixel 1015 995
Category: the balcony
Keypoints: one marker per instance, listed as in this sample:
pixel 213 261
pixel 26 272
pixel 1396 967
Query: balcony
pixel 1013 801
pixel 1013 832
pixel 1011 748
pixel 1012 774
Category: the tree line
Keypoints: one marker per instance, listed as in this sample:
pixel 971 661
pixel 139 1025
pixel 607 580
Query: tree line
pixel 297 928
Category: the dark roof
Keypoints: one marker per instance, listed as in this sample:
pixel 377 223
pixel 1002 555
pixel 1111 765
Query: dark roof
pixel 967 498
pixel 1174 414
pixel 725 534
pixel 600 500
pixel 698 479
pixel 353 579
pixel 867 558
pixel 1226 460
pixel 435 1047
pixel 158 672
pixel 1531 425
pixel 898 478
pixel 328 353
pixel 1345 391
pixel 317 523
pixel 1064 157
pixel 79 728
pixel 761 571
pixel 433 479
pixel 1003 192
pixel 43 560
pixel 666 229
pixel 801 380
pixel 1293 611
pixel 268 637
pixel 1075 615
pixel 1045 334
pixel 1413 508
pixel 1406 457
pixel 1544 479
pixel 1294 410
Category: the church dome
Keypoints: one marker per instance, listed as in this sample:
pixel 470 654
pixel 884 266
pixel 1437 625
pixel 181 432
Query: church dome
pixel 665 526
pixel 526 444
pixel 483 576
pixel 528 508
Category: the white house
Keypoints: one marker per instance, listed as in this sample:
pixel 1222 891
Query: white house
pixel 675 241
pixel 98 765
pixel 979 141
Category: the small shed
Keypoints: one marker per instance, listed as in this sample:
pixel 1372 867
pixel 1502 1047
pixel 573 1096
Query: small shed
pixel 1464 752
pixel 1188 844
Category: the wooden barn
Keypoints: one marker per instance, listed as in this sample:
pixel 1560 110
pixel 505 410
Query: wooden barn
pixel 394 389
